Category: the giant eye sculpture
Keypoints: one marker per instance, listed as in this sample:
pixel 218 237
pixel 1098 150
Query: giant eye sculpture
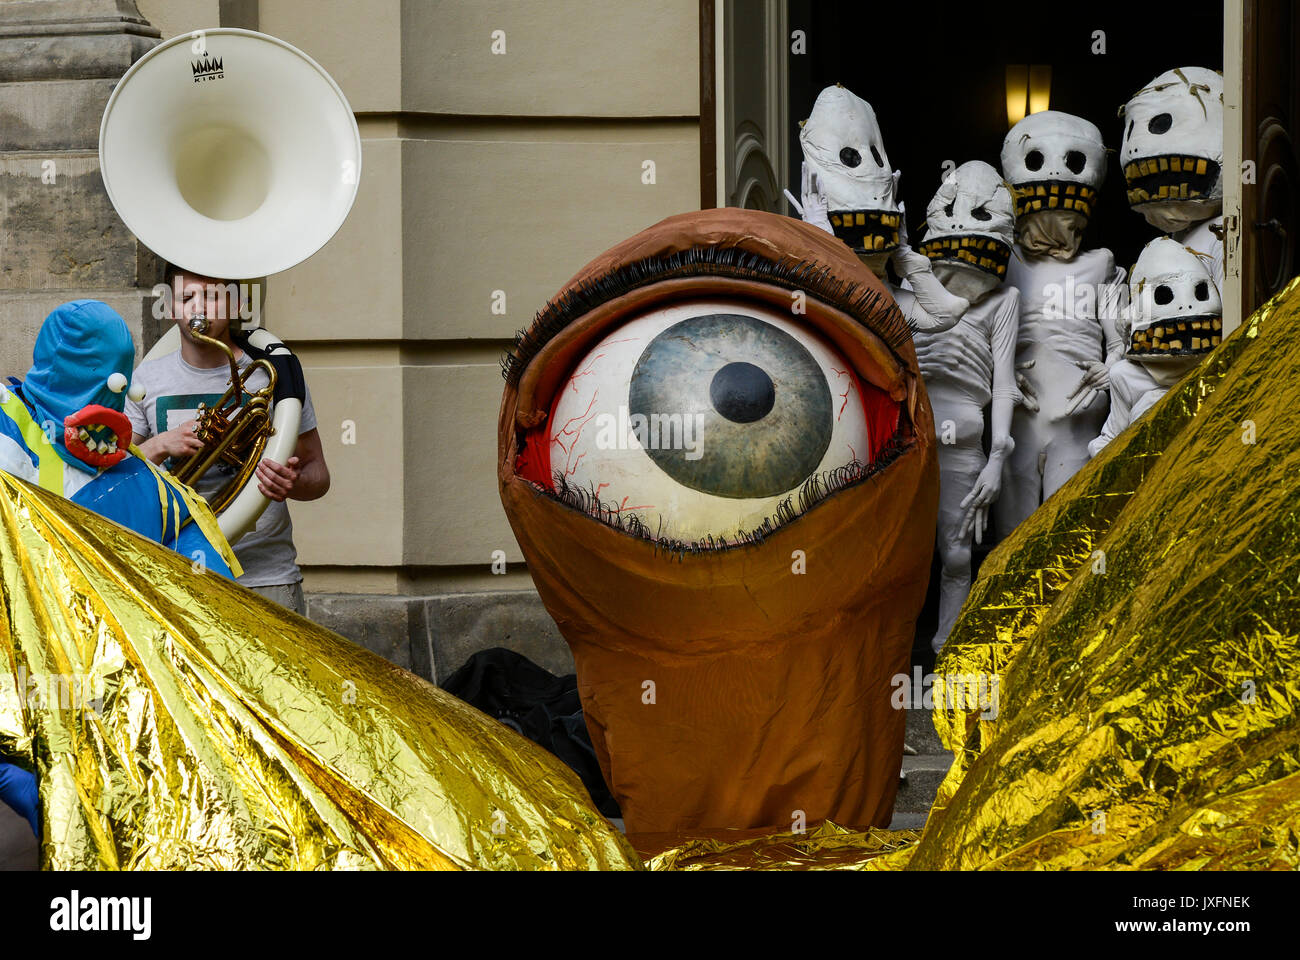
pixel 717 456
pixel 1069 300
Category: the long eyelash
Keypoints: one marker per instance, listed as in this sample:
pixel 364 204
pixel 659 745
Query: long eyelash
pixel 815 489
pixel 855 299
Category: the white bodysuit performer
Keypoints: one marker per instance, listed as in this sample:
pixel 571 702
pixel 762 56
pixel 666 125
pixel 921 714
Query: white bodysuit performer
pixel 1069 300
pixel 849 190
pixel 970 228
pixel 1175 317
pixel 1173 159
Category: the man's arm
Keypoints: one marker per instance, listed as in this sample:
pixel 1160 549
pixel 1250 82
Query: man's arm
pixel 304 477
pixel 179 442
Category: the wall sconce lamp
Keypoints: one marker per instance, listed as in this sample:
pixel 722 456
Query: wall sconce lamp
pixel 1029 90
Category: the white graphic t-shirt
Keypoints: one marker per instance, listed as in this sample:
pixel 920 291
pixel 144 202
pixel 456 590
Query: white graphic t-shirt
pixel 173 392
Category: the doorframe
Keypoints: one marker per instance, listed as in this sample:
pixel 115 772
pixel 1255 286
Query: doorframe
pixel 1236 98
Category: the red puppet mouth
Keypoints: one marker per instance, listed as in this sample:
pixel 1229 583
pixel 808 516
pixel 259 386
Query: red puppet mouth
pixel 97 435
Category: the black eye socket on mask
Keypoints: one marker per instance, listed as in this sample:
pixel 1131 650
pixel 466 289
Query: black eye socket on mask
pixel 1202 290
pixel 1130 127
pixel 948 210
pixel 1160 123
pixel 979 213
pixel 875 155
pixel 1034 160
pixel 1163 295
pixel 850 157
pixel 1076 161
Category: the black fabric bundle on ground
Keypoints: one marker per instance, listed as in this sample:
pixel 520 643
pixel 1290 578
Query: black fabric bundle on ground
pixel 533 701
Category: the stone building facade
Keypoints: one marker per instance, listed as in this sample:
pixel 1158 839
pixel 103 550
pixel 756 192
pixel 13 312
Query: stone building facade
pixel 504 145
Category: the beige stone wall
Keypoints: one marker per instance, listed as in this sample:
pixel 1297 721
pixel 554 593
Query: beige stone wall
pixel 482 173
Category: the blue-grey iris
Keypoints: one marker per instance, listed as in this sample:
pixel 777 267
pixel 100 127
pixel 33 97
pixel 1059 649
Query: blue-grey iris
pixel 732 406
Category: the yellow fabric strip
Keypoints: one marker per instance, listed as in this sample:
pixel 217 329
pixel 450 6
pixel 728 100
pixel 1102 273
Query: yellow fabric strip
pixel 200 512
pixel 50 471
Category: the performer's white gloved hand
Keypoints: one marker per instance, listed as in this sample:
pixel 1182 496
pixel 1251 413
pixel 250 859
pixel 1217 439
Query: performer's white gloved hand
pixel 976 504
pixel 1096 378
pixel 814 201
pixel 943 309
pixel 1028 395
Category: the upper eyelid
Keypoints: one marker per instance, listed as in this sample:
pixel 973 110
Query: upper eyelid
pixel 701 263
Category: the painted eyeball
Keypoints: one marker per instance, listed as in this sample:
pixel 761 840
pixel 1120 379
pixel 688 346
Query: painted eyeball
pixel 703 417
pixel 117 382
pixel 703 396
pixel 136 393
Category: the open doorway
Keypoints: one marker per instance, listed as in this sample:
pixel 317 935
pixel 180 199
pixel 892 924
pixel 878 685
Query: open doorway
pixel 937 78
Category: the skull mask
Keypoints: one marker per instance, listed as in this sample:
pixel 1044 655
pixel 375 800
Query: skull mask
pixel 970 226
pixel 1173 148
pixel 1055 163
pixel 842 144
pixel 1175 312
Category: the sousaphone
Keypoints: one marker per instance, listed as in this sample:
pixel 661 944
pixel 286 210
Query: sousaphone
pixel 233 155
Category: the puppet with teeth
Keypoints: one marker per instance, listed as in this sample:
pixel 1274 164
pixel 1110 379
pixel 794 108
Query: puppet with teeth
pixel 62 427
pixel 1069 299
pixel 850 191
pixel 67 413
pixel 1175 317
pixel 970 227
pixel 1173 159
pixel 717 456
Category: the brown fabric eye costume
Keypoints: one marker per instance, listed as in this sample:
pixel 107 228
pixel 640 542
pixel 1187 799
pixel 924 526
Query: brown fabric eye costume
pixel 737 604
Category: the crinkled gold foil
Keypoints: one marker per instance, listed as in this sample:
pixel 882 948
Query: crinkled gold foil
pixel 1143 630
pixel 828 847
pixel 1142 626
pixel 177 721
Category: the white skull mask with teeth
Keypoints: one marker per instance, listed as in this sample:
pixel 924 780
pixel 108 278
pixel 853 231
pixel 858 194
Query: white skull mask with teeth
pixel 970 228
pixel 1055 163
pixel 1172 153
pixel 843 147
pixel 1175 313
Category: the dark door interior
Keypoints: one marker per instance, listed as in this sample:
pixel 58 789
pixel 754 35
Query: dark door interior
pixel 936 76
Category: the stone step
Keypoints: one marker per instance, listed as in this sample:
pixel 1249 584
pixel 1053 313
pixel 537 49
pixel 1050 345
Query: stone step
pixel 921 778
pixel 921 735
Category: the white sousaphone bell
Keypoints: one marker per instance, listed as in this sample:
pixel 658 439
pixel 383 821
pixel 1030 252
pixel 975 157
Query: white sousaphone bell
pixel 233 155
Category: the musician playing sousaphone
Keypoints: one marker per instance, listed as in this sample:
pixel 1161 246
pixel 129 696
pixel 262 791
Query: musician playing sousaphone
pixel 245 177
pixel 177 384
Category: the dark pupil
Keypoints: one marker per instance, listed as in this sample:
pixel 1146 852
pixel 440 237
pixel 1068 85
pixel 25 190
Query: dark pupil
pixel 1164 295
pixel 875 155
pixel 1076 161
pixel 1034 160
pixel 742 392
pixel 764 403
pixel 948 210
pixel 1202 291
pixel 979 213
pixel 850 157
pixel 1160 123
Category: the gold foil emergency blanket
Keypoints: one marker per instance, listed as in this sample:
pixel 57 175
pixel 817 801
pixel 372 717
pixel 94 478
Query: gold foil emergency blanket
pixel 175 721
pixel 1139 636
pixel 828 847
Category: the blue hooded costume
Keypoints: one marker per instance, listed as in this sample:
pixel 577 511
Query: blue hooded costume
pixel 63 428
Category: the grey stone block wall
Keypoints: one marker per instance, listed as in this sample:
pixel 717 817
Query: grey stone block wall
pixel 433 636
pixel 60 238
